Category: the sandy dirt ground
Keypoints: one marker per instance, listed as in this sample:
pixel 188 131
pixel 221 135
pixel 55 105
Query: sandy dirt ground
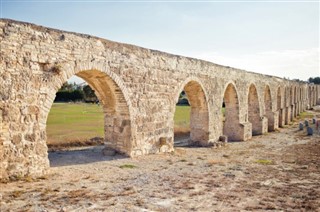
pixel 279 171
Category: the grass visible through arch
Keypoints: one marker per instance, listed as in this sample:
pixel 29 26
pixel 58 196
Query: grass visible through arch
pixel 72 123
pixel 69 122
pixel 182 121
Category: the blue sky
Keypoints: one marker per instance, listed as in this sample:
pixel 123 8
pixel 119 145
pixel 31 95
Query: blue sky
pixel 275 38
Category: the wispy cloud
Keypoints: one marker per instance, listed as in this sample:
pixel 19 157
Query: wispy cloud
pixel 300 64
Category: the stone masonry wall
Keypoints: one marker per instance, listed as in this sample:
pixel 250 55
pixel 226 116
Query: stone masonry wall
pixel 138 88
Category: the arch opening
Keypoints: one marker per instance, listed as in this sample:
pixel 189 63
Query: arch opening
pixel 254 111
pixel 198 113
pixel 115 115
pixel 231 122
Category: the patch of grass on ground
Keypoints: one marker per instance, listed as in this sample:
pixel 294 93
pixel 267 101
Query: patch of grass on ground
pixel 305 115
pixel 127 166
pixel 264 162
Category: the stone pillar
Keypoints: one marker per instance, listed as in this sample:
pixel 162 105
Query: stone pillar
pixel 23 149
pixel 264 125
pixel 273 121
pixel 282 115
pixel 246 131
pixel 237 131
pixel 198 126
pixel 288 115
pixel 298 108
pixel 118 133
pixel 260 126
pixel 291 113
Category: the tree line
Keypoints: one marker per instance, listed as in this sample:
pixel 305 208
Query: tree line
pixel 315 80
pixel 72 92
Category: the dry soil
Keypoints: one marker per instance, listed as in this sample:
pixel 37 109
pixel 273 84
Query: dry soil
pixel 279 171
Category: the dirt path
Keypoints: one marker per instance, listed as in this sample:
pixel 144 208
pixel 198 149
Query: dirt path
pixel 277 171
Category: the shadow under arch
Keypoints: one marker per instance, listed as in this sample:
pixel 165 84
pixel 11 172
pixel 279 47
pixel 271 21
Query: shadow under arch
pixel 116 108
pixel 254 110
pixel 231 125
pixel 199 114
pixel 268 108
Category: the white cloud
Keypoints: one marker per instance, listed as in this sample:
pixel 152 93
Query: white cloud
pixel 293 64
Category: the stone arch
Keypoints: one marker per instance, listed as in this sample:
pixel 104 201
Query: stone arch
pixel 268 108
pixel 199 114
pixel 279 107
pixel 254 110
pixel 231 126
pixel 113 97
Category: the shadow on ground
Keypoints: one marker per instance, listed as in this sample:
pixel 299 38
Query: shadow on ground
pixel 79 156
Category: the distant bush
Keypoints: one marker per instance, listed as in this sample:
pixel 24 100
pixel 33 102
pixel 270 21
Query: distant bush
pixel 75 93
pixel 68 96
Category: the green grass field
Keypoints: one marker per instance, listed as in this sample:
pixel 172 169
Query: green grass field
pixel 182 116
pixel 69 122
pixel 74 122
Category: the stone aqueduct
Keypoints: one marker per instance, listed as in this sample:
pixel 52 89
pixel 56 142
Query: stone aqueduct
pixel 138 89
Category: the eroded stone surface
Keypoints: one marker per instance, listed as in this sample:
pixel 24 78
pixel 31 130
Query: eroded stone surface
pixel 138 89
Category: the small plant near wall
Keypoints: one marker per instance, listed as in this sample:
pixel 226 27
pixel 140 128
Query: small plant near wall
pixel 56 69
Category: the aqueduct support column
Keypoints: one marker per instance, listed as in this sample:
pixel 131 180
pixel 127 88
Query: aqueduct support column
pixel 232 127
pixel 259 123
pixel 270 115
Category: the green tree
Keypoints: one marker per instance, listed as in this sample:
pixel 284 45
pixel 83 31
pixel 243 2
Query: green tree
pixel 89 95
pixel 315 80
